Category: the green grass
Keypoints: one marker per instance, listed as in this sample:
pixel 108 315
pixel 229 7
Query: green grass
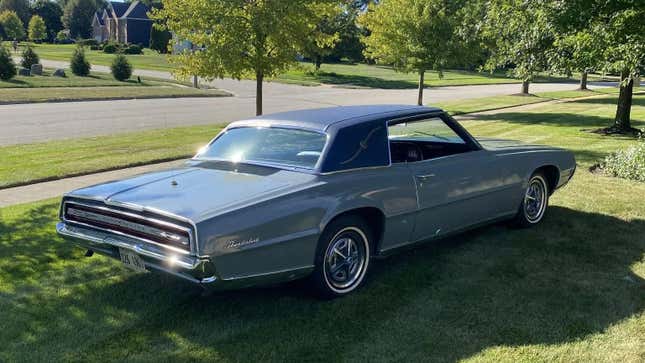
pixel 50 160
pixel 97 86
pixel 351 75
pixel 60 94
pixel 63 52
pixel 95 79
pixel 570 289
pixel 363 75
pixel 497 102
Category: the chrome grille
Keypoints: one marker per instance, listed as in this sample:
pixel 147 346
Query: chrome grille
pixel 151 230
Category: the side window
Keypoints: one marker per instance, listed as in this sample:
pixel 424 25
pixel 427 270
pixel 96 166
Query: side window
pixel 424 139
pixel 432 129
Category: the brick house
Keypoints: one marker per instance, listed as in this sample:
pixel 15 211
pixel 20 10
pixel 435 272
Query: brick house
pixel 123 23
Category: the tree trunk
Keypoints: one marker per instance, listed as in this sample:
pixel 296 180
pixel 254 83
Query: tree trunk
pixel 622 121
pixel 583 81
pixel 259 77
pixel 195 82
pixel 421 85
pixel 525 87
pixel 318 62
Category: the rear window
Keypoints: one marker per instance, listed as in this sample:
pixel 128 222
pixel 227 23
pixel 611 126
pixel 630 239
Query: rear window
pixel 273 145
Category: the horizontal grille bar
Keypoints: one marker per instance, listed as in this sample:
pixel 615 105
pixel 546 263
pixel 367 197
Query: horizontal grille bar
pixel 139 227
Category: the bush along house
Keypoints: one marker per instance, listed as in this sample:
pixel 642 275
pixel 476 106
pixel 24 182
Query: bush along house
pixel 123 23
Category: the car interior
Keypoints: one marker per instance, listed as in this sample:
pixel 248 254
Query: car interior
pixel 406 151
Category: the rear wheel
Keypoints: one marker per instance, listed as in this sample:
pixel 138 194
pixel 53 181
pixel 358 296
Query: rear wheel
pixel 342 257
pixel 534 203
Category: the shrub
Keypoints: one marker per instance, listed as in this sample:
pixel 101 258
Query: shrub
pixel 628 163
pixel 121 68
pixel 88 42
pixel 7 67
pixel 133 49
pixel 79 64
pixel 29 57
pixel 61 36
pixel 110 48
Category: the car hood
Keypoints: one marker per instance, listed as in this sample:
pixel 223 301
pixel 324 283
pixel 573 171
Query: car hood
pixel 507 145
pixel 200 189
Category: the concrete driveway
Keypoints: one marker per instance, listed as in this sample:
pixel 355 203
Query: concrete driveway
pixel 29 123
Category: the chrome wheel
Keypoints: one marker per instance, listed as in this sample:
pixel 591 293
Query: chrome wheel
pixel 535 199
pixel 346 259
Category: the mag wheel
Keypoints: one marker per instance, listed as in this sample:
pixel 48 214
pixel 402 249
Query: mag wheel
pixel 342 258
pixel 534 203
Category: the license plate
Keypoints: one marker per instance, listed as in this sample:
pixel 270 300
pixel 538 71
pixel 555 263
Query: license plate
pixel 132 260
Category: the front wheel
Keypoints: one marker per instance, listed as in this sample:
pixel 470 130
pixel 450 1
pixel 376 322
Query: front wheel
pixel 535 202
pixel 342 257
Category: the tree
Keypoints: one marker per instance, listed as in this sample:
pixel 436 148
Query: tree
pixel 79 64
pixel 623 28
pixel 13 27
pixel 20 7
pixel 241 38
pixel 121 68
pixel 322 44
pixel 51 13
pixel 520 34
pixel 7 67
pixel 580 51
pixel 77 17
pixel 411 35
pixel 37 29
pixel 29 58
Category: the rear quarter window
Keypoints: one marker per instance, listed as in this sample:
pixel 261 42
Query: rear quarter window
pixel 358 146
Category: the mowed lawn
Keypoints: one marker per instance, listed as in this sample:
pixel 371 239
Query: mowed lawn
pixel 377 76
pixel 569 289
pixel 352 75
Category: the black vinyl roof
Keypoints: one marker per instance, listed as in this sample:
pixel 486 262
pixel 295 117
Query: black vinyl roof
pixel 322 118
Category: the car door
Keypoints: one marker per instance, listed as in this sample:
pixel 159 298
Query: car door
pixel 456 188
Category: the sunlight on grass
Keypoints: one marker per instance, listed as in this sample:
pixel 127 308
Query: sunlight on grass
pixel 30 162
pixel 569 289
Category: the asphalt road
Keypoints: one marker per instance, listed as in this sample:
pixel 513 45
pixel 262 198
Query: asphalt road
pixel 29 123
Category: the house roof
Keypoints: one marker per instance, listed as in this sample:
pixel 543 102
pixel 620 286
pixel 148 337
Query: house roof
pixel 136 10
pixel 119 8
pixel 99 17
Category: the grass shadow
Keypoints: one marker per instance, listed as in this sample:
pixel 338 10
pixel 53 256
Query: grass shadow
pixel 361 81
pixel 560 282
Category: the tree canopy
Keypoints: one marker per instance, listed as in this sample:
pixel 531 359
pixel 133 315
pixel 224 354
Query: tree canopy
pixel 51 12
pixel 37 29
pixel 77 17
pixel 12 25
pixel 520 34
pixel 242 38
pixel 412 35
pixel 20 7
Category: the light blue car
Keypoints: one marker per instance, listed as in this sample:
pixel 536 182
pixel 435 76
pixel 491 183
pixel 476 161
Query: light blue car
pixel 315 194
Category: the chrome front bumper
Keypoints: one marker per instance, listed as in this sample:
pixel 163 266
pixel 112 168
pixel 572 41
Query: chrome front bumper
pixel 194 269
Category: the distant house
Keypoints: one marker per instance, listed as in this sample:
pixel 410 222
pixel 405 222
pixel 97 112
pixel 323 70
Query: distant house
pixel 123 23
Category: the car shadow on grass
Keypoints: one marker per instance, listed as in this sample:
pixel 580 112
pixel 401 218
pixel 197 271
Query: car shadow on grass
pixel 559 282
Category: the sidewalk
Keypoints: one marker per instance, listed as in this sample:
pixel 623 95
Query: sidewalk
pixel 56 188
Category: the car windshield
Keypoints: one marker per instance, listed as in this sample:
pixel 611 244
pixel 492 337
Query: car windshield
pixel 283 146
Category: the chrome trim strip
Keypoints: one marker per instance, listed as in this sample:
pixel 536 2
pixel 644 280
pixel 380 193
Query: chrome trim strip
pixel 87 234
pixel 235 278
pixel 138 208
pixel 172 248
